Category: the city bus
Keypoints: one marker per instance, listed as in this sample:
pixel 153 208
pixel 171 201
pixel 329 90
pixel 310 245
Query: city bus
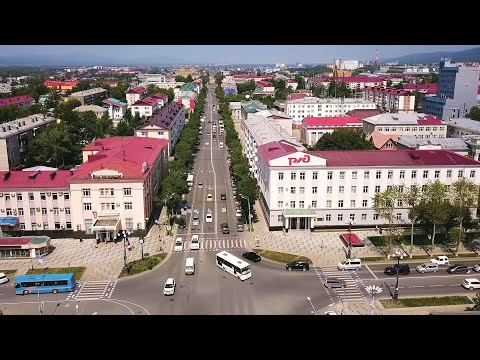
pixel 190 180
pixel 44 283
pixel 234 265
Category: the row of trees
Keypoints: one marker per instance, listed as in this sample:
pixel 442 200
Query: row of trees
pixel 118 92
pixel 175 184
pixel 239 166
pixel 343 139
pixel 435 207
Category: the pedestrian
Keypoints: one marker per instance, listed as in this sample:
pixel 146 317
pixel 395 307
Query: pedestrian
pixel 81 240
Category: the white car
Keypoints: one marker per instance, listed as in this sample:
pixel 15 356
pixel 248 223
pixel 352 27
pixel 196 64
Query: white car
pixel 220 144
pixel 3 278
pixel 178 244
pixel 238 213
pixel 471 284
pixel 441 260
pixel 209 218
pixel 196 220
pixel 195 243
pixel 169 288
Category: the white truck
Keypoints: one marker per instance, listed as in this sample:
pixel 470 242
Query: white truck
pixel 190 181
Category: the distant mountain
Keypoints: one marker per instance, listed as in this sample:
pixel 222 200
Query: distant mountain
pixel 435 57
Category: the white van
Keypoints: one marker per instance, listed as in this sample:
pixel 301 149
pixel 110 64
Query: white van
pixel 350 264
pixel 190 266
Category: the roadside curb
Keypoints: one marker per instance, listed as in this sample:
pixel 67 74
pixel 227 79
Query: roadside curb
pixel 145 272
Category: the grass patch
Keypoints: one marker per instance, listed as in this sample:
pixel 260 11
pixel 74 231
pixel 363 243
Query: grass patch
pixel 77 271
pixel 280 257
pixel 142 265
pixel 427 301
pixel 9 272
pixel 463 255
pixel 373 258
pixel 379 240
pixel 421 257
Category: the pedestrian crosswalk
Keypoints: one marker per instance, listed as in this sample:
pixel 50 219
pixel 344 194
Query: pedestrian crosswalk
pixel 91 290
pixel 351 292
pixel 217 244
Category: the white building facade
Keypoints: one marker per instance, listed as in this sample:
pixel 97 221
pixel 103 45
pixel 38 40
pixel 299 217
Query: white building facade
pixel 136 94
pixel 417 124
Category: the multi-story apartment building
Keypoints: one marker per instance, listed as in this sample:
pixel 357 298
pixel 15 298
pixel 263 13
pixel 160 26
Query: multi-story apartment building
pixel 260 130
pixel 416 124
pixel 149 105
pixel 361 82
pixel 5 88
pixel 391 100
pixel 236 109
pixel 462 127
pixel 167 123
pixel 243 78
pixel 304 190
pixel 347 64
pixel 292 84
pixel 136 94
pixel 151 78
pixel 164 85
pixel 316 107
pixel 112 190
pixel 15 136
pixel 62 86
pixel 116 109
pixel 87 97
pixel 24 101
pixel 313 128
pixel 457 91
pixel 264 88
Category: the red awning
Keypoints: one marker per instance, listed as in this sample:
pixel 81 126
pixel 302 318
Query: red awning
pixel 353 238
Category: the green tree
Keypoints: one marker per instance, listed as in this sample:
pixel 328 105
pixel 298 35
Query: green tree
pixel 474 113
pixel 356 72
pixel 384 204
pixel 343 139
pixel 464 196
pixel 301 82
pixel 81 86
pixel 389 83
pixel 319 91
pixel 123 129
pixel 153 89
pixel 413 198
pixel 104 127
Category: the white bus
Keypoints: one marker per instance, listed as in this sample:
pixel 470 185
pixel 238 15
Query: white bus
pixel 234 265
pixel 190 180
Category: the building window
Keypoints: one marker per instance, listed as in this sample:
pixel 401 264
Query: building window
pixel 402 174
pixel 107 206
pixel 292 190
pixel 400 188
pixel 378 175
pixel 280 204
pixel 87 206
pixel 342 175
pixel 340 217
pixel 330 175
pixel 280 218
pixel 365 189
pixel 22 226
pixel 127 191
pixel 292 204
pixel 329 203
pixel 352 203
pixel 302 175
pixel 472 175
pixel 55 211
pixel 20 198
pixel 314 189
pixel 66 196
pixel 315 175
pixel 399 216
pixel 364 217
pixel 9 212
pixel 302 190
pixel 390 174
pixel 20 211
pixel 366 175
pixel 34 226
pixel 314 204
pixel 67 211
pixel 424 187
pixel 377 189
pixel 329 190
pixel 352 217
pixel 55 196
pixel 375 216
pixel 44 211
pixel 460 173
pixel 449 173
pixel 414 174
pixel 425 174
pixel 354 175
pixel 57 226
pixel 68 225
pixel 280 190
pixel 128 206
pixel 353 189
pixel 45 226
pixel 301 204
pixel 280 176
pixel 32 212
pixel 43 196
pixel 293 176
pixel 328 217
pixel 340 203
pixel 437 174
pixel 364 203
pixel 341 189
pixel 86 193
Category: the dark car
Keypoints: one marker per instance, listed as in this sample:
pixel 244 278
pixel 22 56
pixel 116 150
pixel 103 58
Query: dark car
pixel 181 222
pixel 298 265
pixel 223 196
pixel 334 283
pixel 252 256
pixel 225 229
pixel 403 269
pixel 458 269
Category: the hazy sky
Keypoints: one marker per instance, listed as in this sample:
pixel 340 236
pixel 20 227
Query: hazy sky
pixel 213 54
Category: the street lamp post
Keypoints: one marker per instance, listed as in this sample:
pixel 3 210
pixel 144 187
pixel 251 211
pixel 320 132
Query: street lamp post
pixel 125 264
pixel 399 256
pixel 141 241
pixel 349 253
pixel 373 290
pixel 249 215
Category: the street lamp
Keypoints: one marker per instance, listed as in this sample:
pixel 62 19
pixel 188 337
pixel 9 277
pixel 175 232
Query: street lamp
pixel 399 256
pixel 141 241
pixel 125 264
pixel 349 253
pixel 373 290
pixel 314 312
pixel 249 215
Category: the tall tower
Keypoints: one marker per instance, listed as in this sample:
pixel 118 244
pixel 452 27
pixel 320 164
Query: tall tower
pixel 375 63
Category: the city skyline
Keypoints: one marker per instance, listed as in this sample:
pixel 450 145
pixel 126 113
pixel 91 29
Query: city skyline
pixel 206 54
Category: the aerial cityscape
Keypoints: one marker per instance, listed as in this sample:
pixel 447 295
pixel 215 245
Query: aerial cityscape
pixel 239 180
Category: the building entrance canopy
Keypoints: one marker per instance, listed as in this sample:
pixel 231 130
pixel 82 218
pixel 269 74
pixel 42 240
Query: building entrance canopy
pixel 290 213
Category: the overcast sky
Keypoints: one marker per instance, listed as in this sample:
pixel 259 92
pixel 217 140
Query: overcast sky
pixel 214 54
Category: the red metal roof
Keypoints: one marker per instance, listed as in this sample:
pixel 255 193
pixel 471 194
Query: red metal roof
pixel 123 154
pixel 60 84
pixel 137 90
pixel 248 76
pixel 364 113
pixel 332 121
pixel 34 179
pixel 352 239
pixel 274 150
pixel 428 88
pixel 15 100
pixel 15 241
pixel 399 158
pixel 148 101
pixel 387 90
pixel 429 120
pixel 265 84
pixel 296 96
pixel 359 79
pixel 161 96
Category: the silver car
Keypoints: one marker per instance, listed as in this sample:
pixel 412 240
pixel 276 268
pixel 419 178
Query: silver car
pixel 334 283
pixel 427 267
pixel 476 268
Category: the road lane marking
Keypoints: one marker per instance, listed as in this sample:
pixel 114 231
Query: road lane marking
pixel 371 272
pixel 419 277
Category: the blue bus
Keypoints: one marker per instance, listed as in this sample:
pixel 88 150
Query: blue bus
pixel 44 283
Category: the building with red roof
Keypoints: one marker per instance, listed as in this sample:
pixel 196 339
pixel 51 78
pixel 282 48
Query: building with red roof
pixel 361 82
pixel 364 113
pixel 24 101
pixel 303 190
pixel 264 88
pixel 242 78
pixel 135 94
pixel 430 89
pixel 390 99
pixel 111 191
pixel 62 86
pixel 313 128
pixel 149 105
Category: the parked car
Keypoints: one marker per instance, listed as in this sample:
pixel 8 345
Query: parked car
pixel 238 213
pixel 427 267
pixel 223 196
pixel 476 268
pixel 298 265
pixel 441 260
pixel 181 223
pixel 403 269
pixel 195 243
pixel 196 220
pixel 3 278
pixel 169 287
pixel 178 246
pixel 458 269
pixel 240 226
pixel 334 283
pixel 225 229
pixel 208 218
pixel 471 283
pixel 200 185
pixel 252 256
pixel 209 197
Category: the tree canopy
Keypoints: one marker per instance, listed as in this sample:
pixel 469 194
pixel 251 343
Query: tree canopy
pixel 474 113
pixel 343 139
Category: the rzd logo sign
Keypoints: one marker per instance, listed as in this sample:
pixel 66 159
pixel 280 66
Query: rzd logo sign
pixel 305 159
